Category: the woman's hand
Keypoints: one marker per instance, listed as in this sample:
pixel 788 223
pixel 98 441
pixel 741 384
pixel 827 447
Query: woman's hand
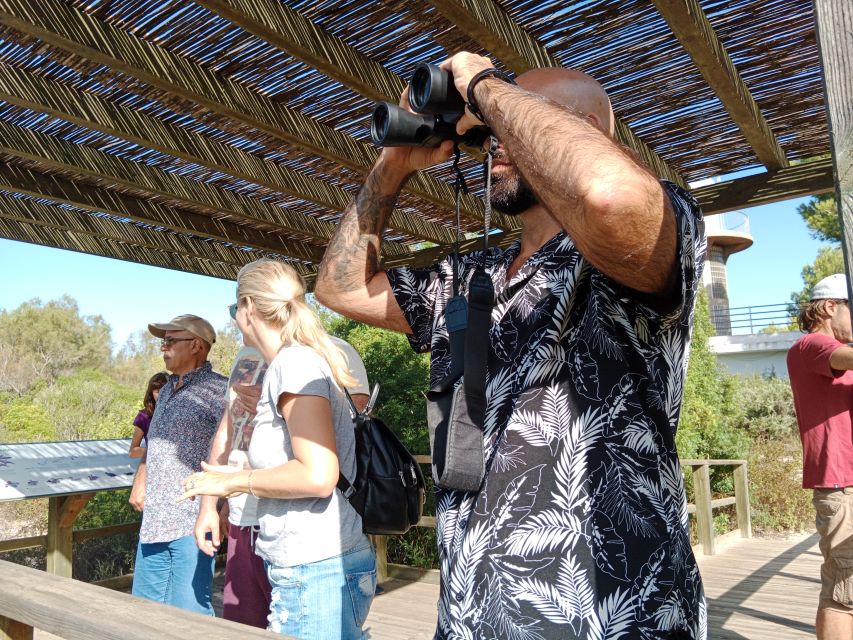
pixel 213 480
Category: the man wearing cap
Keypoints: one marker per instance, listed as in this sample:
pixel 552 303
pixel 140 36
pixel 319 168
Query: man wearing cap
pixel 819 367
pixel 169 567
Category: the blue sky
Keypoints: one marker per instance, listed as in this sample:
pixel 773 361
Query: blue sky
pixel 129 295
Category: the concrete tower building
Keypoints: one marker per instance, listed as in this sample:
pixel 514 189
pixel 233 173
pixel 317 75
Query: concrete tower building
pixel 727 233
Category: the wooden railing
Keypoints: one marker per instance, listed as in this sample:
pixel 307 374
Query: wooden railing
pixel 31 599
pixel 702 508
pixel 704 505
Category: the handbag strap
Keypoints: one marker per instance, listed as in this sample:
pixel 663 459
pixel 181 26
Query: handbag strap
pixel 345 485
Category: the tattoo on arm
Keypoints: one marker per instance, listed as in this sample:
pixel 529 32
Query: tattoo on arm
pixel 352 257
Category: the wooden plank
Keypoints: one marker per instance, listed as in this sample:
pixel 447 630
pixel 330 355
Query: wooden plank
pixel 92 112
pixel 57 155
pixel 808 178
pixel 120 250
pixel 13 630
pixel 71 508
pixel 32 213
pixel 285 29
pixel 381 545
pixel 75 610
pixel 744 519
pixel 834 26
pixel 29 542
pixel 694 31
pixel 704 515
pixel 99 200
pixel 488 24
pixel 80 34
pixel 58 539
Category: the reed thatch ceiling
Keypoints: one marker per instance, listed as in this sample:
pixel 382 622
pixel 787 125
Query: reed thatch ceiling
pixel 201 135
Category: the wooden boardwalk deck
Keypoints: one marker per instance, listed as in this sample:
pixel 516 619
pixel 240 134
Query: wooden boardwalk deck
pixel 757 589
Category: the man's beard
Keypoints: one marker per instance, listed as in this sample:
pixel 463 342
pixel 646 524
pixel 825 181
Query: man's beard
pixel 510 194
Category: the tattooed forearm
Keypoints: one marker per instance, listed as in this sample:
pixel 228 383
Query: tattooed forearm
pixel 352 257
pixel 611 205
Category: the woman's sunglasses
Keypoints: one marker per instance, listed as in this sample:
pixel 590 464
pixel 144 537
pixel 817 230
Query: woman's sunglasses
pixel 232 309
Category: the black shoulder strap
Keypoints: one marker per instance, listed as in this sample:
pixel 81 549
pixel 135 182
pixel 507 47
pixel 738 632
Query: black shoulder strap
pixel 344 485
pixel 481 300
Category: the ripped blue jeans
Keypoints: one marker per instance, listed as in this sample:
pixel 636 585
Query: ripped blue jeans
pixel 325 599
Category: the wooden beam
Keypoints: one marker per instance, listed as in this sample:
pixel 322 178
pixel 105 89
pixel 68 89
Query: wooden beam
pixel 694 31
pixel 58 539
pixel 13 630
pixel 72 507
pixel 834 25
pixel 74 610
pixel 488 24
pixel 155 256
pixel 33 213
pixel 32 146
pixel 792 182
pixel 98 200
pixel 808 178
pixel 80 34
pixel 285 29
pixel 29 91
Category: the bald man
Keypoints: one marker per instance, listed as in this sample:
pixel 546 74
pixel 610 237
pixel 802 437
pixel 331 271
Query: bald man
pixel 579 526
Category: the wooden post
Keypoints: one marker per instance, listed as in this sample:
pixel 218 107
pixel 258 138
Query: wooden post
pixel 14 630
pixel 381 544
pixel 61 513
pixel 833 25
pixel 704 514
pixel 744 520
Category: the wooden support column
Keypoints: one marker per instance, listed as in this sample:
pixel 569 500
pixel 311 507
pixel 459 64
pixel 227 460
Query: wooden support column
pixel 744 521
pixel 14 630
pixel 704 513
pixel 62 511
pixel 834 26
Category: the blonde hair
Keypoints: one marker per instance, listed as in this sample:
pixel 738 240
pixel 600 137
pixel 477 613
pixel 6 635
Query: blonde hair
pixel 278 293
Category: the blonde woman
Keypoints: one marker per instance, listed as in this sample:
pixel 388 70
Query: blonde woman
pixel 321 567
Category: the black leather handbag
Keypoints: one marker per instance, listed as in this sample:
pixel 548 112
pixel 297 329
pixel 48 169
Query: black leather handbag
pixel 388 490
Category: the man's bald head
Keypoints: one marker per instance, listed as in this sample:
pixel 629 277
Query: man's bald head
pixel 573 89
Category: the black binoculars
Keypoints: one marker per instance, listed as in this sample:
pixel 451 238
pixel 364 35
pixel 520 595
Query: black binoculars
pixel 438 106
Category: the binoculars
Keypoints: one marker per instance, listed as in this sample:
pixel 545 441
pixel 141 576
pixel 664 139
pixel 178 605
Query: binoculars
pixel 438 106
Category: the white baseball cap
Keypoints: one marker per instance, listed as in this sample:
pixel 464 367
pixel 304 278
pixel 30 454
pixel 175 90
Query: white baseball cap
pixel 832 287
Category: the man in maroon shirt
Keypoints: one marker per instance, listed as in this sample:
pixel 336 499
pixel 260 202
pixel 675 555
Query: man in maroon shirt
pixel 819 366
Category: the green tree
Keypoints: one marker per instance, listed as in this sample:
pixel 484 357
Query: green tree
pixel 820 214
pixel 402 374
pixel 137 360
pixel 829 260
pixel 47 340
pixel 89 405
pixel 705 426
pixel 229 341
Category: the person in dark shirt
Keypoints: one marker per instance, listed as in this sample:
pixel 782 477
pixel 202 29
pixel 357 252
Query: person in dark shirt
pixel 143 419
pixel 169 568
pixel 578 528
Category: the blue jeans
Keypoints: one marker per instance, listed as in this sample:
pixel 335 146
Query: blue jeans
pixel 325 599
pixel 175 573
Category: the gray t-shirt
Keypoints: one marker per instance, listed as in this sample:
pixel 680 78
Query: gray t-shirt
pixel 302 530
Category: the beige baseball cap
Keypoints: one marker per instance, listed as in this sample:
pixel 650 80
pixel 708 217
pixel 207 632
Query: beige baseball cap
pixel 187 322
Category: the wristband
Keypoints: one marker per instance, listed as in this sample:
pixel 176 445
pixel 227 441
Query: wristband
pixel 485 73
pixel 249 482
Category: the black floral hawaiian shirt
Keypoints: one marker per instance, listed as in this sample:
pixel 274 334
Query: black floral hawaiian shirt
pixel 580 527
